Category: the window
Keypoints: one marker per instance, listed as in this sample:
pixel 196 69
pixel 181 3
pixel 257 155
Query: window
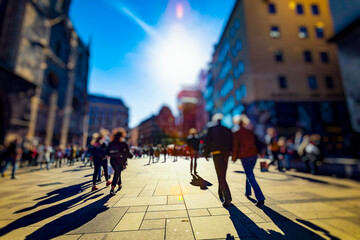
pixel 303 32
pixel 319 32
pixel 312 82
pixel 279 56
pixel 329 82
pixel 227 87
pixel 272 8
pixel 282 82
pixel 315 9
pixel 299 9
pixel 225 68
pixel 307 56
pixel 275 32
pixel 239 69
pixel 324 57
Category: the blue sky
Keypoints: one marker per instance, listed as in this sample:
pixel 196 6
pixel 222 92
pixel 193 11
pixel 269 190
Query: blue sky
pixel 146 51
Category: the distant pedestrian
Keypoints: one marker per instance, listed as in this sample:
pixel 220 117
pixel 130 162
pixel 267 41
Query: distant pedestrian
pixel 218 142
pixel 119 153
pixel 193 143
pixel 98 154
pixel 151 155
pixel 244 148
pixel 273 148
pixel 313 154
pixel 58 156
pixel 164 152
pixel 12 154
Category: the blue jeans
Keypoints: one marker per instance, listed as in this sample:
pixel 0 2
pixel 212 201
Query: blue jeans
pixel 14 166
pixel 249 164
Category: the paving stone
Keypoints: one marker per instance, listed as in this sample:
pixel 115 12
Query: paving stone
pixel 69 237
pixel 179 229
pixel 141 201
pixel 295 208
pixel 315 210
pixel 136 235
pixel 204 227
pixel 166 214
pixel 130 221
pixel 153 224
pixel 198 212
pixel 105 221
pixel 218 211
pixel 146 193
pixel 343 225
pixel 166 208
pixel 179 199
pixel 206 200
pixel 137 209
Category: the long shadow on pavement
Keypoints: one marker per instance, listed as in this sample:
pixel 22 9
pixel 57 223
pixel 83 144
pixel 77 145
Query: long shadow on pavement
pixel 79 218
pixel 58 195
pixel 46 213
pixel 199 181
pixel 289 229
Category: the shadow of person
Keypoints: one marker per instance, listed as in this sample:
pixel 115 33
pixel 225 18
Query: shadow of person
pixel 289 229
pixel 317 228
pixel 200 182
pixel 58 195
pixel 43 214
pixel 77 218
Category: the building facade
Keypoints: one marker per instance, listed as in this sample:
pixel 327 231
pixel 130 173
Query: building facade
pixel 42 48
pixel 191 106
pixel 273 62
pixel 158 129
pixel 106 112
pixel 346 16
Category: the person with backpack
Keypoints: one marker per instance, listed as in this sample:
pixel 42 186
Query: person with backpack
pixel 98 153
pixel 119 152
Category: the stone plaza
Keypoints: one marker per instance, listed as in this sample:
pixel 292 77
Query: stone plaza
pixel 164 201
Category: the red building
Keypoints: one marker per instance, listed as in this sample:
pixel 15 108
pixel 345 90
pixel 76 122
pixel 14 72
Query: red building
pixel 191 106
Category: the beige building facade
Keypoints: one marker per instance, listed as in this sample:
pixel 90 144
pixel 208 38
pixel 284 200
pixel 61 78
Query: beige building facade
pixel 274 63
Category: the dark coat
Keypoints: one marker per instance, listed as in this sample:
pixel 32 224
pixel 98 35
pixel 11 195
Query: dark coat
pixel 193 142
pixel 218 138
pixel 119 151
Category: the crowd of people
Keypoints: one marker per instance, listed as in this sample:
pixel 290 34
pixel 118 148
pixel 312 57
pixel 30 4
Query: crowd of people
pixel 108 153
pixel 282 151
pixel 24 153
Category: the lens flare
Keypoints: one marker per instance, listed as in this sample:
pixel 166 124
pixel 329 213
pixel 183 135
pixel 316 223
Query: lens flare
pixel 179 11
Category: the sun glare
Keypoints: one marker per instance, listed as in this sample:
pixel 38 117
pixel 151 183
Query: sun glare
pixel 179 11
pixel 177 57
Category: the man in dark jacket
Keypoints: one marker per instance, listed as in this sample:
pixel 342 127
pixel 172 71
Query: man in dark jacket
pixel 218 142
pixel 193 143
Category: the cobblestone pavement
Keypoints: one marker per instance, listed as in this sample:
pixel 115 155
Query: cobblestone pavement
pixel 163 201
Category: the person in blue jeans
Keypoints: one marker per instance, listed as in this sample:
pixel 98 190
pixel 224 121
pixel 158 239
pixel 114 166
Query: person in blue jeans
pixel 244 147
pixel 13 150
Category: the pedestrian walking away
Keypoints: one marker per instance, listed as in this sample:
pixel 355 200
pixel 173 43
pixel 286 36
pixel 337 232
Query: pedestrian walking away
pixel 12 154
pixel 118 152
pixel 218 142
pixel 193 143
pixel 98 153
pixel 244 148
